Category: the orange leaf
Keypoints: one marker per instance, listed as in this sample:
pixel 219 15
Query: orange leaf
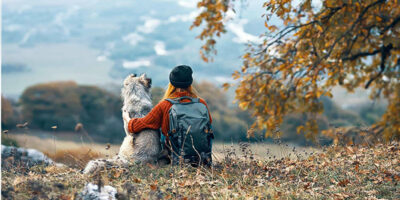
pixel 153 187
pixel 226 86
pixel 343 183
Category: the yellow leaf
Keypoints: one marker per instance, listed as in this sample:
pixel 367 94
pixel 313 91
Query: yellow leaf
pixel 272 28
pixel 306 79
pixel 226 86
pixel 320 28
pixel 244 105
pixel 262 88
pixel 328 94
pixel 236 75
pixel 308 95
pixel 299 129
pixel 319 93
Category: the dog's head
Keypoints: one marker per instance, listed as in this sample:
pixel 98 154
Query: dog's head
pixel 135 82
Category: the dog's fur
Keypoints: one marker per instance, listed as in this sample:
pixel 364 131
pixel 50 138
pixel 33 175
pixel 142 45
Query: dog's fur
pixel 143 147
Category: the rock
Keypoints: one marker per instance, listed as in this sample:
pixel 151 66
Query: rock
pixel 12 156
pixel 91 192
pixel 37 156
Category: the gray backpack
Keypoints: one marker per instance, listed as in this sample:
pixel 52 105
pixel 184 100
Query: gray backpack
pixel 190 131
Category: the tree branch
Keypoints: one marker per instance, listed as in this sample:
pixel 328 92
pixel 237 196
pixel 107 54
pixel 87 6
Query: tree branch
pixel 391 25
pixel 361 54
pixel 385 51
pixel 353 25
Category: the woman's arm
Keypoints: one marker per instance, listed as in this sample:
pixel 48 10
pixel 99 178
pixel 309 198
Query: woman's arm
pixel 151 121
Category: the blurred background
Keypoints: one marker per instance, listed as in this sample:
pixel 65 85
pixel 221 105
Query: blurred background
pixel 63 63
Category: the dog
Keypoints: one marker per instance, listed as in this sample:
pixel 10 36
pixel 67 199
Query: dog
pixel 142 147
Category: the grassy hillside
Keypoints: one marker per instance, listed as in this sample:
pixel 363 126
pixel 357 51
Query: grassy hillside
pixel 332 173
pixel 77 151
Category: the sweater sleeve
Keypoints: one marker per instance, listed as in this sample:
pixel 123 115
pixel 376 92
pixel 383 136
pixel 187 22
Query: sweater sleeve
pixel 209 114
pixel 152 120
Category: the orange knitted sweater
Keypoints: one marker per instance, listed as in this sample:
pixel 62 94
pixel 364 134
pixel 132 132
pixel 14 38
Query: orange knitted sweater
pixel 158 117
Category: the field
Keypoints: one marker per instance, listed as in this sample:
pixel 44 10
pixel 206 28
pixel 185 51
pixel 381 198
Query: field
pixel 66 146
pixel 240 171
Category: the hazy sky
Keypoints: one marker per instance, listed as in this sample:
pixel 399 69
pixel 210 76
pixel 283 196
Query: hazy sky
pixel 102 41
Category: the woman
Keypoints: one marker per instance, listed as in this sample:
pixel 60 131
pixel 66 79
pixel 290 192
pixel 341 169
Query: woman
pixel 180 91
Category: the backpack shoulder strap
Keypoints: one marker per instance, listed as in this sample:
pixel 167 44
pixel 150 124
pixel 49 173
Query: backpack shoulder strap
pixel 179 99
pixel 173 101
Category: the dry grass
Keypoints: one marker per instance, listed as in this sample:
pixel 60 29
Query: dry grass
pixel 61 142
pixel 65 149
pixel 331 173
pixel 71 153
pixel 261 151
pixel 76 158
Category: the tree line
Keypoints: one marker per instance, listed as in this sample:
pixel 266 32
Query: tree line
pixel 64 105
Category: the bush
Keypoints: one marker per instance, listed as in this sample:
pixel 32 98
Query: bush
pixel 156 95
pixel 333 116
pixel 49 104
pixel 101 113
pixel 65 104
pixel 370 113
pixel 9 116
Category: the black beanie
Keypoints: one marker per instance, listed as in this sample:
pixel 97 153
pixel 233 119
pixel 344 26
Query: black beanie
pixel 181 76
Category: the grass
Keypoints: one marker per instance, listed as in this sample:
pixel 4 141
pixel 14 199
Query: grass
pixel 44 142
pixel 5 140
pixel 240 171
pixel 75 158
pixel 69 150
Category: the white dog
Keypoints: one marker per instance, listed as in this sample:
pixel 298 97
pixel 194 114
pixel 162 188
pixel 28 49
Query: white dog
pixel 143 147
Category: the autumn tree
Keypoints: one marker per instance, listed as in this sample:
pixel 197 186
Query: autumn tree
pixel 64 104
pixel 313 49
pixel 49 104
pixel 157 94
pixel 8 115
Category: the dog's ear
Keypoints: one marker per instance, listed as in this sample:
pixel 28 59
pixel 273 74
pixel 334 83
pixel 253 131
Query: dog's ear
pixel 148 80
pixel 145 81
pixel 127 80
pixel 143 76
